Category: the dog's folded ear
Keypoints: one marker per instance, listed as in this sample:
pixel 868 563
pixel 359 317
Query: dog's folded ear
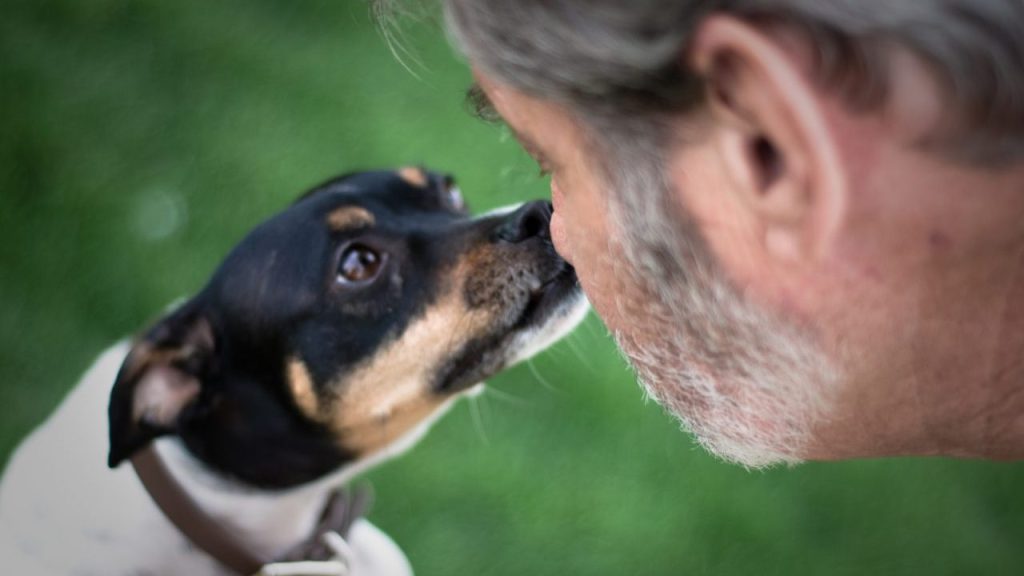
pixel 160 382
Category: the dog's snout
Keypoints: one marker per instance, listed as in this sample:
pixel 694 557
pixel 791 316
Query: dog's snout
pixel 531 220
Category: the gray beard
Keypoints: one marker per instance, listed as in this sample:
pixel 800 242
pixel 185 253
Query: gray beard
pixel 749 386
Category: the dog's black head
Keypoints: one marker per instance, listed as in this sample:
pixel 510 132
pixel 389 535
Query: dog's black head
pixel 342 325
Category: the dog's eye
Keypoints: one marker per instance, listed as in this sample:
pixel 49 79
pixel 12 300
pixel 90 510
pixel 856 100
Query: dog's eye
pixel 359 264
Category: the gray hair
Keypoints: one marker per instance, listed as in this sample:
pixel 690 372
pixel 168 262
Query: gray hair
pixel 614 59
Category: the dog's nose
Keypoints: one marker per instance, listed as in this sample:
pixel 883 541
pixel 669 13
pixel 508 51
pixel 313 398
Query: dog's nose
pixel 530 220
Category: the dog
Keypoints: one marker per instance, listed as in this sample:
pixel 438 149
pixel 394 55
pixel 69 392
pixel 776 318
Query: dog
pixel 328 340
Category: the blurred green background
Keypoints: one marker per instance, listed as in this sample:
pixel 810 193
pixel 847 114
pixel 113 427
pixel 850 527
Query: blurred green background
pixel 140 139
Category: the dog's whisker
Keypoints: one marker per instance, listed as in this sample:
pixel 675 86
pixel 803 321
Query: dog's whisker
pixel 506 397
pixel 474 411
pixel 543 381
pixel 571 343
pixel 593 332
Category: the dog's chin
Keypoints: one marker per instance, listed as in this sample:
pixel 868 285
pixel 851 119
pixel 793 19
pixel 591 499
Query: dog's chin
pixel 551 313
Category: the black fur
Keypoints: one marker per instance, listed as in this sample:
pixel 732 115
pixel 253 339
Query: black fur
pixel 275 297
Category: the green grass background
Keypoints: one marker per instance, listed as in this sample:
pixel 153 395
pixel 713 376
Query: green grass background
pixel 140 139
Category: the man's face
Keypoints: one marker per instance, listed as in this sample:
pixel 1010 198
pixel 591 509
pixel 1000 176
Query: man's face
pixel 749 386
pixel 794 268
pixel 813 283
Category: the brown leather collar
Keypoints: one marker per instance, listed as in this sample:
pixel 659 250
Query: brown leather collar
pixel 211 537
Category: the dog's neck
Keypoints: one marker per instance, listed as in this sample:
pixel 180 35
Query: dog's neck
pixel 272 522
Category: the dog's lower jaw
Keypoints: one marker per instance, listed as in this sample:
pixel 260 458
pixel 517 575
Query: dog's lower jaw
pixel 565 319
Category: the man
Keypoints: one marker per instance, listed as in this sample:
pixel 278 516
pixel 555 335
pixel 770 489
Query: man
pixel 803 220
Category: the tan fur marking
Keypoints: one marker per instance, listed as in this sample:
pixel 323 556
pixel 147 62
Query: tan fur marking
pixel 349 217
pixel 414 176
pixel 389 395
pixel 144 356
pixel 161 394
pixel 301 385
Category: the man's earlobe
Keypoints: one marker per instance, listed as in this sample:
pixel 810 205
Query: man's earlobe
pixel 160 381
pixel 772 134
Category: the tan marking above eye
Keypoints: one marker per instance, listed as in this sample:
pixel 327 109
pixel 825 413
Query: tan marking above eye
pixel 350 218
pixel 414 176
pixel 301 385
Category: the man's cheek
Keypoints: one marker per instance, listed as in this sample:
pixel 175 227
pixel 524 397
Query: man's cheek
pixel 606 290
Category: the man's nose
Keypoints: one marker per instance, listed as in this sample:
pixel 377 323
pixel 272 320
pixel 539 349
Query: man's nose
pixel 531 220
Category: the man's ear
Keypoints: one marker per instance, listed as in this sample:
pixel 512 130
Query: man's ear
pixel 771 131
pixel 160 382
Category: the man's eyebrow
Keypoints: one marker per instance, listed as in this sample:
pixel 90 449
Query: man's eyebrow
pixel 480 106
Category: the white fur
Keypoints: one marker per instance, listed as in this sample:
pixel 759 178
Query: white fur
pixel 531 342
pixel 500 211
pixel 63 512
